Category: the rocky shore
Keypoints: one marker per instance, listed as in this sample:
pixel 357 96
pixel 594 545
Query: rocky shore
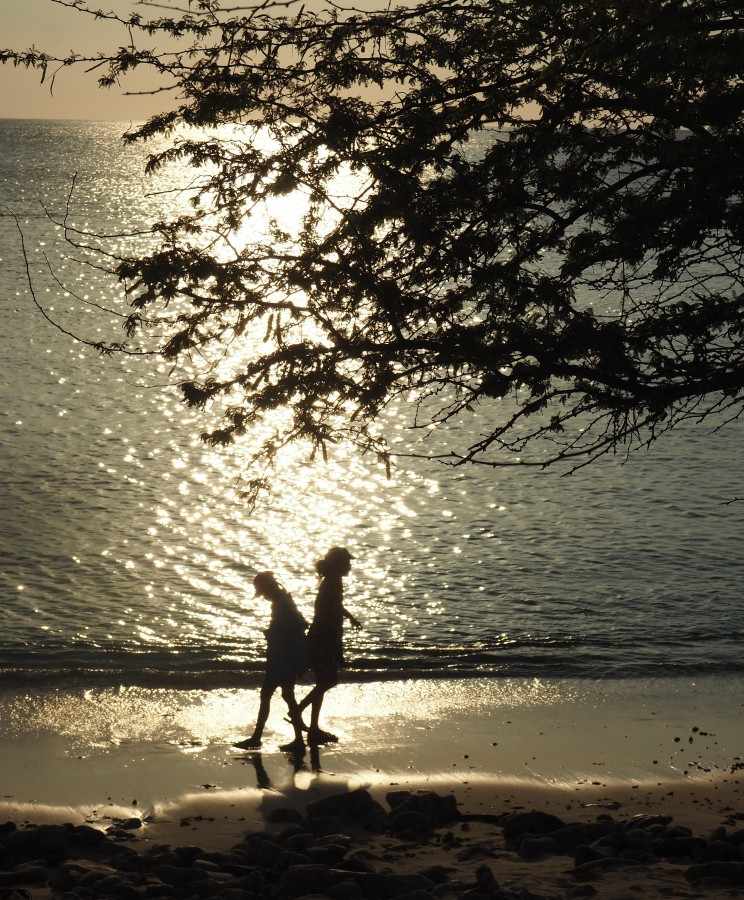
pixel 349 846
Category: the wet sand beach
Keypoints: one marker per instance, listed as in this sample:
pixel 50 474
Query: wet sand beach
pixel 148 768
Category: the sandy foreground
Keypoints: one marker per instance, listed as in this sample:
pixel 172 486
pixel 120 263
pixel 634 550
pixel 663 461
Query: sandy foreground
pixel 163 764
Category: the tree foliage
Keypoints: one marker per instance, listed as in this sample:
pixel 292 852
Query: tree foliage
pixel 533 209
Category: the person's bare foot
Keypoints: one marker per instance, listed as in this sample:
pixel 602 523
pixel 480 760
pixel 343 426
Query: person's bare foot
pixel 318 736
pixel 251 743
pixel 296 746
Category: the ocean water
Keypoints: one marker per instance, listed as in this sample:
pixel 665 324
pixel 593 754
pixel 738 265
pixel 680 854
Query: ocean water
pixel 127 553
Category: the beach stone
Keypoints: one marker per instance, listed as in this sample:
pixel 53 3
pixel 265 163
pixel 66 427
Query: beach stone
pixel 24 874
pixel 157 890
pixel 249 874
pixel 485 879
pixel 642 856
pixel 375 821
pixel 70 874
pixel 411 820
pixel 231 894
pixel 721 851
pixel 595 831
pixel 281 837
pixel 532 848
pixel 259 851
pixel 730 871
pixel 448 888
pixel 343 839
pixel 351 805
pixel 615 836
pixel 255 881
pixel 140 864
pixel 474 851
pixel 359 861
pixel 47 842
pixel 570 837
pixel 239 858
pixel 438 874
pixel 709 885
pixel 210 887
pixel 65 876
pixel 143 862
pixel 300 841
pixel 442 808
pixel 416 895
pixel 656 832
pixel 345 890
pixel 301 880
pixel 396 885
pixel 412 836
pixel 236 870
pixel 372 884
pixel 209 865
pixel 180 876
pixel 678 831
pixel 638 839
pixel 285 814
pixel 596 867
pixel 118 888
pixel 326 853
pixel 289 858
pixel 587 854
pixel 116 833
pixel 91 876
pixel 186 855
pixel 677 847
pixel 213 856
pixel 86 836
pixel 644 821
pixel 533 822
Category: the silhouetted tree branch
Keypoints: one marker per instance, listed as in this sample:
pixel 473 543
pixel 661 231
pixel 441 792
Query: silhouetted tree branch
pixel 533 209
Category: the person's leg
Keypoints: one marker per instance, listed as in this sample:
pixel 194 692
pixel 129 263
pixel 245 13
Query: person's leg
pixel 315 734
pixel 267 692
pixel 295 717
pixel 307 700
pixel 315 704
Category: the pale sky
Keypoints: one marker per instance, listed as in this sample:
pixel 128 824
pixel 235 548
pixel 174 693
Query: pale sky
pixel 55 29
pixel 58 30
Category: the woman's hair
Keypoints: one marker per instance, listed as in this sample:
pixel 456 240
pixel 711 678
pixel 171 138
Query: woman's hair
pixel 266 584
pixel 335 562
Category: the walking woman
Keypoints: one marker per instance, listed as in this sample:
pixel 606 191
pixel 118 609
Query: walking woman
pixel 326 636
pixel 287 658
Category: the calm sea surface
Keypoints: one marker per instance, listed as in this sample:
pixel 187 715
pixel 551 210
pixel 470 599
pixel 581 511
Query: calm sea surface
pixel 126 554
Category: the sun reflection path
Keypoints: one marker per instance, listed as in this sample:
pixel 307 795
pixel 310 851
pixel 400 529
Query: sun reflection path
pixel 213 544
